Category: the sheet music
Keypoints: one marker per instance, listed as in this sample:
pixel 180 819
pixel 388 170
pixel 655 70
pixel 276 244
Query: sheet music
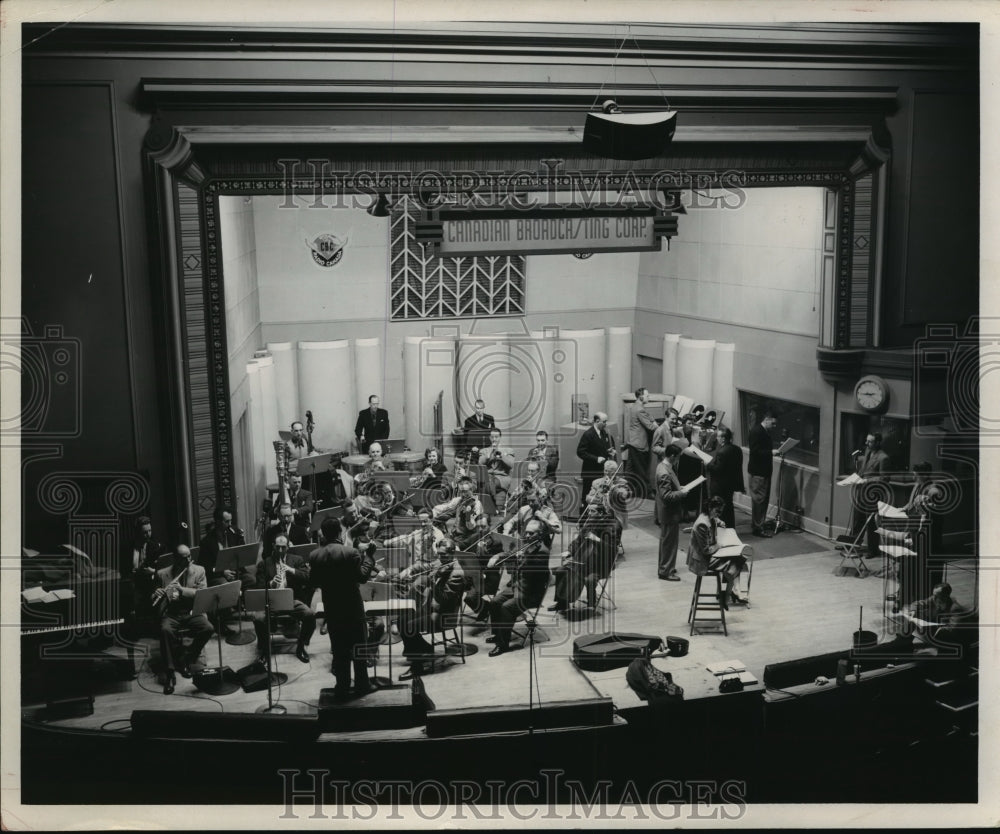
pixel 727 537
pixel 896 550
pixel 790 443
pixel 888 511
pixel 851 479
pixel 727 667
pixel 33 594
pixel 682 404
pixel 688 487
pixel 694 450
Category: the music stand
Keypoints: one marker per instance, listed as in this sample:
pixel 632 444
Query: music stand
pixel 303 550
pixel 312 465
pixel 220 680
pixel 789 444
pixel 238 558
pixel 318 517
pixel 270 601
pixel 386 608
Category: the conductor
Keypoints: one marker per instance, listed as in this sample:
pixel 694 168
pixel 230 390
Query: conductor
pixel 339 571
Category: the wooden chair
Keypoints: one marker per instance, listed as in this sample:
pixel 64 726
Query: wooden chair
pixel 707 602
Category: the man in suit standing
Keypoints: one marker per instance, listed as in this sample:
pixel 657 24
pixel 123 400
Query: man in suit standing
pixel 670 511
pixel 372 425
pixel 339 571
pixel 873 465
pixel 300 499
pixel 294 574
pixel 760 466
pixel 726 475
pixel 175 589
pixel 477 427
pixel 639 427
pixel 595 447
pixel 545 455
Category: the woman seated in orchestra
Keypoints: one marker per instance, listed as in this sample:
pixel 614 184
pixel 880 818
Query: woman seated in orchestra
pixel 432 471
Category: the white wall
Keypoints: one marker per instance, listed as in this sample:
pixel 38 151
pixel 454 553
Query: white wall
pixel 756 265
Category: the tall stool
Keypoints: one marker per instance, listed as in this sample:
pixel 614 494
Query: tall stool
pixel 707 602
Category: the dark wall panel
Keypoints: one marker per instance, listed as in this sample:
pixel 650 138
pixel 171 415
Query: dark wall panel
pixel 72 280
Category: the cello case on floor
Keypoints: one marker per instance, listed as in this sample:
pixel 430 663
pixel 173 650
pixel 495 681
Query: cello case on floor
pixel 600 652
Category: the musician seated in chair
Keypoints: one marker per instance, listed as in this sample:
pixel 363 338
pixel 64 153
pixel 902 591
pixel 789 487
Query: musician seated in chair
pixel 376 463
pixel 432 471
pixel 702 555
pixel 936 618
pixel 437 592
pixel 174 595
pixel 461 513
pixel 484 548
pixel 278 570
pixel 536 508
pixel 498 460
pixel 526 588
pixel 286 526
pixel 219 535
pixel 590 557
pixel 422 544
pixel 376 503
pixel 546 456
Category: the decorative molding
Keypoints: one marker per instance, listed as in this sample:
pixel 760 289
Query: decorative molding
pixel 170 149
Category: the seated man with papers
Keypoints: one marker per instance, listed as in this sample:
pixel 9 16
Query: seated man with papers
pixel 707 552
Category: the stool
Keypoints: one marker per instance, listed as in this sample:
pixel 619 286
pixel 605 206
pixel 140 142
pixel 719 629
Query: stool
pixel 707 602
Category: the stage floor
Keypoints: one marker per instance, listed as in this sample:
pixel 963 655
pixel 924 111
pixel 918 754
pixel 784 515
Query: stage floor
pixel 798 607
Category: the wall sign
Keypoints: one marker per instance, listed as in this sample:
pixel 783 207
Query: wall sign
pixel 327 250
pixel 547 231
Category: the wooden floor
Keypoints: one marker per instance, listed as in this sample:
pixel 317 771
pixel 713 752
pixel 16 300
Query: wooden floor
pixel 799 607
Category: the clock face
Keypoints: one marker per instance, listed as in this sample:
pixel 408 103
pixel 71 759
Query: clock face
pixel 870 394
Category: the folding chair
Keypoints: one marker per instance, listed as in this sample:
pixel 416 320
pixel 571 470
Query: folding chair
pixel 852 549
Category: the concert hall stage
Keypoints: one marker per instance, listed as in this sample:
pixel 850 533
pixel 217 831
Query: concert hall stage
pixel 798 608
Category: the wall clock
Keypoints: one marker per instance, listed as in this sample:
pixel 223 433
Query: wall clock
pixel 872 394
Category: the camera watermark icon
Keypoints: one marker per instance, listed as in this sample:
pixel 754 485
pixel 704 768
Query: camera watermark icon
pixel 47 369
pixel 526 380
pixel 951 369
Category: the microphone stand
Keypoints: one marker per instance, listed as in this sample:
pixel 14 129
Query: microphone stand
pixel 271 708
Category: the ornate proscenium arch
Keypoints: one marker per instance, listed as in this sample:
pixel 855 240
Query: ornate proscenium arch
pixel 187 180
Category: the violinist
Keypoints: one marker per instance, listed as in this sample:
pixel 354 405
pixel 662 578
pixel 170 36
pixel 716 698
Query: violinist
pixel 376 503
pixel 281 569
pixel 535 508
pixel 420 542
pixel 608 492
pixel 485 548
pixel 463 512
pixel 590 556
pixel 437 592
pixel 531 482
pixel 526 588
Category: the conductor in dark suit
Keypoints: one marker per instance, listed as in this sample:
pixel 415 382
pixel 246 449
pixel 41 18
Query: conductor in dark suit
pixel 372 425
pixel 477 427
pixel 339 571
pixel 725 474
pixel 595 447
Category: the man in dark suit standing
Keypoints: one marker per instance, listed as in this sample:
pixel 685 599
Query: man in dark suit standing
pixel 301 500
pixel 595 447
pixel 339 571
pixel 670 511
pixel 725 473
pixel 372 425
pixel 477 427
pixel 639 428
pixel 760 466
pixel 872 465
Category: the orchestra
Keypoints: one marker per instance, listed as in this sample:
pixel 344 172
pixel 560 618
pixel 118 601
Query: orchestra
pixel 498 564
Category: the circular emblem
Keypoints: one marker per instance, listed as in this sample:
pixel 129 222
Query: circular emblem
pixel 582 255
pixel 327 250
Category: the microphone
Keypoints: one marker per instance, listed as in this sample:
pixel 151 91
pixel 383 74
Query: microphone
pixel 857 452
